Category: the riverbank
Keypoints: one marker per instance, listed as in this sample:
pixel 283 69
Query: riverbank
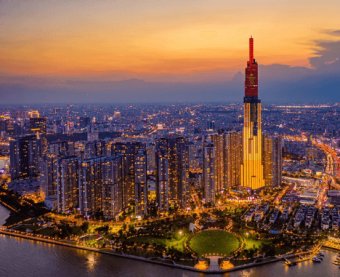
pixel 107 252
pixel 7 206
pixel 155 260
pixel 36 258
pixel 4 214
pixel 332 246
pixel 20 208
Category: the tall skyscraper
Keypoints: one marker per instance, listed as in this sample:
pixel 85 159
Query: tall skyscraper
pixel 228 158
pixel 218 141
pixel 25 156
pixel 141 188
pixel 172 172
pixel 49 174
pixel 252 167
pixel 99 179
pixel 272 160
pixel 209 174
pixel 68 184
pixel 233 158
pixel 38 125
pixel 162 175
pixel 128 152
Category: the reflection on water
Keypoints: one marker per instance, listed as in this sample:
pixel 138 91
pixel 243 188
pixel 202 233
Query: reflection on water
pixel 4 213
pixel 20 257
pixel 92 259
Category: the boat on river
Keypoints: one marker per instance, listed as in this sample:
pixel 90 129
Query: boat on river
pixel 316 260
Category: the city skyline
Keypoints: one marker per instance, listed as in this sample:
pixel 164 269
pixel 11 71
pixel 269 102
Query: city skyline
pixel 118 51
pixel 169 138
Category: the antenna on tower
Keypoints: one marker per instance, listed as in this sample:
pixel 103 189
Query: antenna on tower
pixel 251 49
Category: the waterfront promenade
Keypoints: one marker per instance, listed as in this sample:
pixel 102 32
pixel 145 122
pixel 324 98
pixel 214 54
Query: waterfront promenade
pixel 158 261
pixel 29 236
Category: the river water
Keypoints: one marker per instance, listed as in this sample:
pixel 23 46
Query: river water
pixel 24 258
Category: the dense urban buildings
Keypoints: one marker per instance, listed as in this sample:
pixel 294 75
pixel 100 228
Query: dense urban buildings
pixel 149 180
pixel 149 138
pixel 141 161
pixel 104 164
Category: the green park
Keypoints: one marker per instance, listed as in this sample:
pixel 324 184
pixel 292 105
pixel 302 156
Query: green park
pixel 214 242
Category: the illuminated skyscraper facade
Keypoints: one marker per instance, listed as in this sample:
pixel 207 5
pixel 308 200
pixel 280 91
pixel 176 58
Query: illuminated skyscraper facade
pixel 97 184
pixel 233 158
pixel 128 152
pixel 25 157
pixel 172 173
pixel 272 160
pixel 141 187
pixel 68 184
pixel 38 125
pixel 162 175
pixel 219 141
pixel 227 160
pixel 209 174
pixel 252 167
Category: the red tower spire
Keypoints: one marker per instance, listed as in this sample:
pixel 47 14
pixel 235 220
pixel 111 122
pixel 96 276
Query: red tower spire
pixel 251 72
pixel 251 49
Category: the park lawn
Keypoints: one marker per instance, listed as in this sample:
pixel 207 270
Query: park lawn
pixel 176 242
pixel 214 242
pixel 252 243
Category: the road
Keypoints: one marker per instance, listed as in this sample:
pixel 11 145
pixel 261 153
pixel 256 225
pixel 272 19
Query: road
pixel 333 160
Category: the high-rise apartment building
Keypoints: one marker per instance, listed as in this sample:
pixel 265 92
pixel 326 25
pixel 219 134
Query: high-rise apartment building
pixel 49 174
pixel 99 183
pixel 68 184
pixel 25 157
pixel 172 173
pixel 141 187
pixel 219 142
pixel 128 152
pixel 162 175
pixel 272 160
pixel 209 174
pixel 38 125
pixel 95 148
pixel 228 159
pixel 233 158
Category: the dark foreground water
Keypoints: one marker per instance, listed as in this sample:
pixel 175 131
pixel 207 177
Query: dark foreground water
pixel 19 257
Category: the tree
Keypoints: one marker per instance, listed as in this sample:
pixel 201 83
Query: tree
pixel 85 226
pixel 268 250
pixel 131 229
pixel 103 229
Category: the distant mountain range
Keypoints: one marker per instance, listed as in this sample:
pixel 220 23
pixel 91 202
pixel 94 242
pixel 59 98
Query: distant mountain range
pixel 277 84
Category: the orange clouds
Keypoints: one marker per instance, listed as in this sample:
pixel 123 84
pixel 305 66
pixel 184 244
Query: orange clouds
pixel 148 38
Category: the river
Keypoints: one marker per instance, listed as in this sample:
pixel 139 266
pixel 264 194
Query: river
pixel 20 257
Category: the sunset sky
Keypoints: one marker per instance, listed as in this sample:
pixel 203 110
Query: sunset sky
pixel 158 40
